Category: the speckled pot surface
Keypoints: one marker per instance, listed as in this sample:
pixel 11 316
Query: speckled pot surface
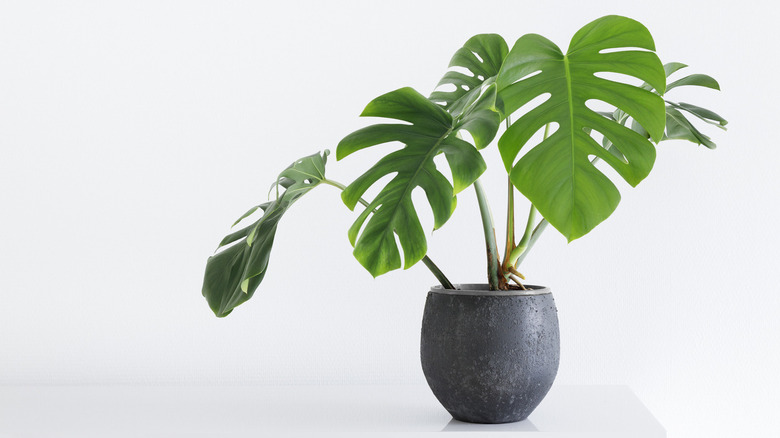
pixel 490 356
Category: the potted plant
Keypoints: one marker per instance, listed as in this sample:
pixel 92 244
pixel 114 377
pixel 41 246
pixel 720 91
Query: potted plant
pixel 490 351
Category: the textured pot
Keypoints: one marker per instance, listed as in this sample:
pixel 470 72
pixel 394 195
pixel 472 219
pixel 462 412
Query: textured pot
pixel 490 356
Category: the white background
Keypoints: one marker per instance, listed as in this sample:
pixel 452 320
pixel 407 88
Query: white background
pixel 132 134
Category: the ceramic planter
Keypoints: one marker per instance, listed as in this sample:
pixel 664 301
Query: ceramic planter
pixel 490 356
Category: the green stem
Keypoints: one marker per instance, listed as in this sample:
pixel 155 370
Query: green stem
pixel 445 282
pixel 490 236
pixel 335 184
pixel 510 222
pixel 522 246
pixel 510 213
pixel 534 237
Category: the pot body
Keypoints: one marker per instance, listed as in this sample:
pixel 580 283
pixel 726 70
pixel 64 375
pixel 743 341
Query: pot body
pixel 490 356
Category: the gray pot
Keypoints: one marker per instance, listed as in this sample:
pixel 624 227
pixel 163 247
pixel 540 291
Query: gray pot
pixel 490 356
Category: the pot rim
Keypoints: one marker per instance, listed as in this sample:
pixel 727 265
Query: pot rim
pixel 482 289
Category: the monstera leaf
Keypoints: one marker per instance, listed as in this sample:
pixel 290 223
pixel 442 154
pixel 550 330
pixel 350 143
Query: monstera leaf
pixel 429 131
pixel 482 56
pixel 233 274
pixel 557 175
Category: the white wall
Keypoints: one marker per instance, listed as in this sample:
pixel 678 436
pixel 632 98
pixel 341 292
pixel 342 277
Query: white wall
pixel 133 133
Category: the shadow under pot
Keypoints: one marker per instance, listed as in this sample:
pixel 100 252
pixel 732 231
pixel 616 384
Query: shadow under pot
pixel 490 356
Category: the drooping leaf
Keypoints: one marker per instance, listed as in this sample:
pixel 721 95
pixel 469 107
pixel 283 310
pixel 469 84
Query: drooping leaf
pixel 482 55
pixel 703 114
pixel 234 273
pixel 429 131
pixel 556 175
pixel 680 128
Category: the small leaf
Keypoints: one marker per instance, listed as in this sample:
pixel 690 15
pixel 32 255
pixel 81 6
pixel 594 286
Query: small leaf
pixel 697 80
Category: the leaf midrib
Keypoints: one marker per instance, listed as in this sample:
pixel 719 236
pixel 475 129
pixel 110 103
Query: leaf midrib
pixel 570 99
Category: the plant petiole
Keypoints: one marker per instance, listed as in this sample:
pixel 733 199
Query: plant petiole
pixel 534 237
pixel 490 236
pixel 522 246
pixel 510 214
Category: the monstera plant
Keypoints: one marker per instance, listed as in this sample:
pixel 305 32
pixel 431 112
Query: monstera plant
pixel 489 84
pixel 605 99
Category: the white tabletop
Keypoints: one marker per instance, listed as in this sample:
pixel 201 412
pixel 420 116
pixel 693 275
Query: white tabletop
pixel 305 410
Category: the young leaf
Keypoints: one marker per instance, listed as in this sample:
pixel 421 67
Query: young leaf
pixel 233 274
pixel 482 55
pixel 430 131
pixel 557 175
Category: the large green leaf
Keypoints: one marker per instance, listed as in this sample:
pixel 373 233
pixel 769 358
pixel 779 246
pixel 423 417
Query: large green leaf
pixel 233 274
pixel 429 131
pixel 557 175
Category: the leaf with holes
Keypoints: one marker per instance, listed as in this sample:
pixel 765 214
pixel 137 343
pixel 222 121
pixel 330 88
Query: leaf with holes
pixel 233 274
pixel 482 55
pixel 429 131
pixel 557 175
